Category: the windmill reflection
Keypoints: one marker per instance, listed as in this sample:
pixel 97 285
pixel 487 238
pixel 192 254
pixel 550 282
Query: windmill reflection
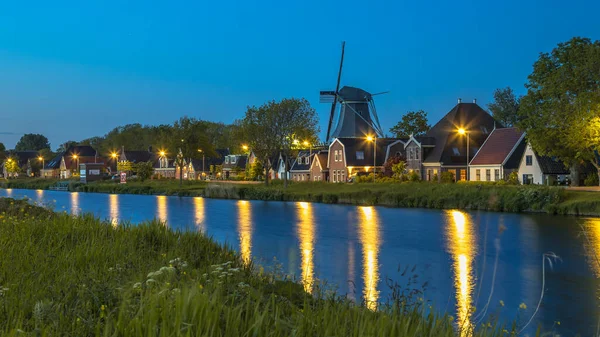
pixel 369 238
pixel 306 234
pixel 245 229
pixel 461 244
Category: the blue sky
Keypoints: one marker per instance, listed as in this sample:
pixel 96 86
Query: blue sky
pixel 72 70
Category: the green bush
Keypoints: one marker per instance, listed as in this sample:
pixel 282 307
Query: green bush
pixel 447 177
pixel 413 176
pixel 591 180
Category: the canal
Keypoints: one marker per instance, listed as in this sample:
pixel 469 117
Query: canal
pixel 470 264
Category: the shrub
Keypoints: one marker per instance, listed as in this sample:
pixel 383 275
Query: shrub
pixel 447 177
pixel 413 176
pixel 513 178
pixel 591 180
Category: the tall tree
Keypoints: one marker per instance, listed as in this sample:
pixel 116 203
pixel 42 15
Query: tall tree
pixel 2 151
pixel 505 106
pixel 63 147
pixel 413 123
pixel 562 105
pixel 32 142
pixel 189 141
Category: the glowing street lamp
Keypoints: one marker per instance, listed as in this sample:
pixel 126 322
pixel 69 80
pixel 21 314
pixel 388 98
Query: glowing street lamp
pixel 464 132
pixel 374 140
pixel 245 147
pixel 162 153
pixel 76 157
pixel 43 161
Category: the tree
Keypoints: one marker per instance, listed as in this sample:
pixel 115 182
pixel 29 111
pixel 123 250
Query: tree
pixel 125 166
pixel 561 111
pixel 388 165
pixel 399 169
pixel 12 165
pixel 65 146
pixel 254 171
pixel 144 170
pixel 189 141
pixel 505 106
pixel 2 151
pixel 32 142
pixel 412 123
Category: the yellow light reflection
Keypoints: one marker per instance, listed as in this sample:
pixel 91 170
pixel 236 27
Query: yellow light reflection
pixel 75 203
pixel 245 229
pixel 199 214
pixel 40 196
pixel 592 232
pixel 113 209
pixel 306 233
pixel 461 244
pixel 161 209
pixel 369 238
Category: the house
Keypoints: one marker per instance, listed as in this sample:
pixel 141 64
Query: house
pixel 135 157
pixel 318 167
pixel 25 160
pixel 351 156
pixel 75 155
pixel 541 170
pixel 300 170
pixel 164 167
pixel 233 165
pixel 499 156
pixel 52 168
pixel 278 168
pixel 444 148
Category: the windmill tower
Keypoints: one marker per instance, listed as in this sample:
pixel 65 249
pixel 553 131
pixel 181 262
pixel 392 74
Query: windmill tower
pixel 357 115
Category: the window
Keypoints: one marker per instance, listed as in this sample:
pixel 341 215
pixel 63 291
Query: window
pixel 463 174
pixel 303 177
pixel 227 160
pixel 411 153
pixel 428 175
pixel 528 160
pixel 360 155
pixel 488 175
pixel 484 129
pixel 417 154
pixel 456 152
pixel 496 175
pixel 233 159
pixel 527 179
pixel 338 155
pixel 334 176
pixel 478 174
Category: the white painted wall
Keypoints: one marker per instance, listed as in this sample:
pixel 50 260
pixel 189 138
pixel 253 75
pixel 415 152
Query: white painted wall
pixel 482 168
pixel 534 169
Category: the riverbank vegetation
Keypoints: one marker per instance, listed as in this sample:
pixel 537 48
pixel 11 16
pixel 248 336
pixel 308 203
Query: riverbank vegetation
pixel 79 276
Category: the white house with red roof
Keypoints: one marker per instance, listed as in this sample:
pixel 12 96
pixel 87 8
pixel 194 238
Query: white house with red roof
pixel 499 155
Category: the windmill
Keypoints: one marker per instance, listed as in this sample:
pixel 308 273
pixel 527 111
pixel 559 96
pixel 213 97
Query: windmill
pixel 357 116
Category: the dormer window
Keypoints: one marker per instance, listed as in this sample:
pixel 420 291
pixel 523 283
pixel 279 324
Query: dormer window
pixel 360 155
pixel 227 160
pixel 484 129
pixel 456 151
pixel 233 159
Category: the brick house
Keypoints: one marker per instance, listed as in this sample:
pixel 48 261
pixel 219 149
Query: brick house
pixel 318 166
pixel 352 156
pixel 52 168
pixel 75 155
pixel 300 170
pixel 233 165
pixel 499 156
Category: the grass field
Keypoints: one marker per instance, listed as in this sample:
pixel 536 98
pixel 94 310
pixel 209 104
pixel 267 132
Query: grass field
pixel 78 276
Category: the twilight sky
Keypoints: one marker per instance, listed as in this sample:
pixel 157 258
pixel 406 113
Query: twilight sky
pixel 75 70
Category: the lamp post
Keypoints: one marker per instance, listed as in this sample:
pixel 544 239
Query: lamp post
pixel 43 164
pixel 76 157
pixel 464 132
pixel 374 140
pixel 200 150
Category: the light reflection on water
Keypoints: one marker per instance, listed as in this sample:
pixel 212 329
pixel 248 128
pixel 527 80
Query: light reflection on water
pixel 369 239
pixel 199 212
pixel 75 203
pixel 113 206
pixel 162 212
pixel 306 234
pixel 461 245
pixel 245 229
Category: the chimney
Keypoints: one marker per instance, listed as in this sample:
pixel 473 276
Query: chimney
pixel 475 100
pixel 150 148
pixel 459 101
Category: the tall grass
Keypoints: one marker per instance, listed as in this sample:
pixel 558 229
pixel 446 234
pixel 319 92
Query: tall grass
pixel 79 276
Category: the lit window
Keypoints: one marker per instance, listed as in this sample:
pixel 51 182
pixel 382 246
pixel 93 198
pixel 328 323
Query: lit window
pixel 360 155
pixel 456 152
pixel 463 174
pixel 478 174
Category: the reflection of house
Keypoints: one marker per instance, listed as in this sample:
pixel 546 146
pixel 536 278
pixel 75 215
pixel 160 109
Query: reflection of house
pixel 499 156
pixel 75 155
pixel 233 165
pixel 318 167
pixel 24 161
pixel 52 168
pixel 542 170
pixel 448 152
pixel 300 170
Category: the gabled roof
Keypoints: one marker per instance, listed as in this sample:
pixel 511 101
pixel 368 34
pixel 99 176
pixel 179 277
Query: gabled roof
pixel 240 162
pixel 81 151
pixel 469 116
pixel 140 156
pixel 302 166
pixel 548 165
pixel 321 158
pixel 498 146
pixel 354 145
pixel 54 163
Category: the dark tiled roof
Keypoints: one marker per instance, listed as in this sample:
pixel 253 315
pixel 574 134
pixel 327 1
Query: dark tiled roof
pixel 514 160
pixel 240 162
pixel 140 156
pixel 170 163
pixel 300 161
pixel 354 145
pixel 81 151
pixel 498 146
pixel 469 116
pixel 322 158
pixel 54 163
pixel 548 165
pixel 425 140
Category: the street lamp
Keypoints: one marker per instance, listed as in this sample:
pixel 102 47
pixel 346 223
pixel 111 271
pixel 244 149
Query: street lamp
pixel 374 140
pixel 245 147
pixel 43 163
pixel 464 132
pixel 76 157
pixel 200 150
pixel 162 153
pixel 309 145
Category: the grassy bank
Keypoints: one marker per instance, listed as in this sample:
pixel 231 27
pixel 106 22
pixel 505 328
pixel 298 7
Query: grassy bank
pixel 475 196
pixel 78 276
